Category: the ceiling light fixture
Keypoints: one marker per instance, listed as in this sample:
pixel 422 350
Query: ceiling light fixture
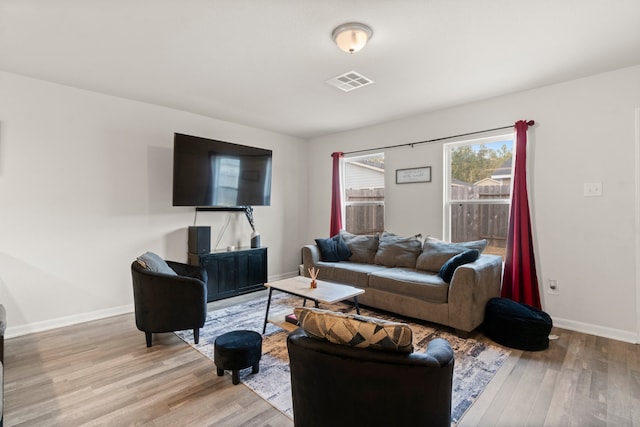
pixel 352 36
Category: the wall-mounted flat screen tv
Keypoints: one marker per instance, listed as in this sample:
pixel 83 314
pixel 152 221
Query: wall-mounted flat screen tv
pixel 211 173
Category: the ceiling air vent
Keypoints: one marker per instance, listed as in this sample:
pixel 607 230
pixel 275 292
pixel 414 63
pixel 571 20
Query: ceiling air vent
pixel 349 81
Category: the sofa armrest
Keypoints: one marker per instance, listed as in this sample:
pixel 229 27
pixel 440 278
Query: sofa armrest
pixel 310 257
pixel 159 286
pixel 189 270
pixel 440 350
pixel 471 287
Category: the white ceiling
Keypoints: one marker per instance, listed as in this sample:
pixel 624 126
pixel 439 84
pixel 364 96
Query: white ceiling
pixel 264 63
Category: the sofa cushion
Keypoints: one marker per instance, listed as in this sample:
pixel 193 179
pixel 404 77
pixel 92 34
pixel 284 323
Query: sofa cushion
pixel 363 247
pixel 436 252
pixel 398 251
pixel 449 267
pixel 153 262
pixel 333 249
pixel 352 273
pixel 410 282
pixel 355 330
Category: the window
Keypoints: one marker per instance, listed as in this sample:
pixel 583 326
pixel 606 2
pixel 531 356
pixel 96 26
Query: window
pixel 363 193
pixel 478 191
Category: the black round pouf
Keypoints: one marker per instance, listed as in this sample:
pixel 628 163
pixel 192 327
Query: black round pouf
pixel 237 350
pixel 517 325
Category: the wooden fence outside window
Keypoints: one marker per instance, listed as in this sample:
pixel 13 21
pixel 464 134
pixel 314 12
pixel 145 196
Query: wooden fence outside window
pixel 469 221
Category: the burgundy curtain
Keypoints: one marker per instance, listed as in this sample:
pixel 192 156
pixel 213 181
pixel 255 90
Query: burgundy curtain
pixel 519 281
pixel 336 206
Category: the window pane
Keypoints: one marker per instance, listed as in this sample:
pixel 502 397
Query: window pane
pixel 478 200
pixel 475 221
pixel 364 194
pixel 481 164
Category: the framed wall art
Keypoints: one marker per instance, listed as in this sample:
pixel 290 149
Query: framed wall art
pixel 411 175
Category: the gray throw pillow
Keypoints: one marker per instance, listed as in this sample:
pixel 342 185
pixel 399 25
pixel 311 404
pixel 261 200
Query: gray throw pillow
pixel 153 262
pixel 398 251
pixel 436 252
pixel 363 247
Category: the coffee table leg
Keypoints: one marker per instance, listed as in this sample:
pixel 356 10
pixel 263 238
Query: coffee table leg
pixel 355 301
pixel 315 301
pixel 266 314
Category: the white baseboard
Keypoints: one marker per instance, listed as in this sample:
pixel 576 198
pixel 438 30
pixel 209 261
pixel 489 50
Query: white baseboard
pixel 283 276
pixel 600 331
pixel 47 325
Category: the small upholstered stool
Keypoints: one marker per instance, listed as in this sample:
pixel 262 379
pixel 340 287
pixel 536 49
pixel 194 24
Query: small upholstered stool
pixel 517 325
pixel 237 350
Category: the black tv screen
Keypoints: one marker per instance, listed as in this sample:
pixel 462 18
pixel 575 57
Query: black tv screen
pixel 211 173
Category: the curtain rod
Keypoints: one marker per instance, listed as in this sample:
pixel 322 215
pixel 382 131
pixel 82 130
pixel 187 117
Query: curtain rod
pixel 411 144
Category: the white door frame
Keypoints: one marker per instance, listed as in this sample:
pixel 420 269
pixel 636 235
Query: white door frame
pixel 637 218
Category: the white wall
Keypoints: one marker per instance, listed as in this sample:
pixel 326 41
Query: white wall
pixel 85 187
pixel 584 133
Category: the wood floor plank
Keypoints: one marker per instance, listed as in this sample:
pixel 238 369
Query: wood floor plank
pixel 102 374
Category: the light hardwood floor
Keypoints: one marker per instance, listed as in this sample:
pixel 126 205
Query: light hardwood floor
pixel 102 373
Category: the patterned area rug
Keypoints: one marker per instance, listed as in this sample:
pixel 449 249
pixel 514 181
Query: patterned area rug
pixel 475 365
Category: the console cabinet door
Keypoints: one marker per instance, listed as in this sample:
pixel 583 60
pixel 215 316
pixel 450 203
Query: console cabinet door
pixel 209 265
pixel 253 270
pixel 233 273
pixel 226 274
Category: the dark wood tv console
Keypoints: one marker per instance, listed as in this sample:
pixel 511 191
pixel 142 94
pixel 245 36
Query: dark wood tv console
pixel 232 273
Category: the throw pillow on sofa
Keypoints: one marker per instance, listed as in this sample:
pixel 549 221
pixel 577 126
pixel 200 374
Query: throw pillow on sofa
pixel 333 249
pixel 449 267
pixel 355 330
pixel 436 252
pixel 363 247
pixel 398 251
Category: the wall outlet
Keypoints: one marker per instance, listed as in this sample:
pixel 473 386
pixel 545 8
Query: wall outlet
pixel 552 287
pixel 593 189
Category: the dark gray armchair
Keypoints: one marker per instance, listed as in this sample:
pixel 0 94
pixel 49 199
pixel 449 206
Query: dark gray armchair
pixel 340 385
pixel 167 303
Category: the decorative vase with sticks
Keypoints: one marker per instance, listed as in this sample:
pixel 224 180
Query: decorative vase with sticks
pixel 255 236
pixel 314 274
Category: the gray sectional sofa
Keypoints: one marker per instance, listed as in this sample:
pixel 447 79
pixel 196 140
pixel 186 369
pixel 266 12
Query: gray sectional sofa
pixel 404 275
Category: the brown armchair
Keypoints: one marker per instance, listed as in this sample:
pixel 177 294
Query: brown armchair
pixel 340 385
pixel 167 302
